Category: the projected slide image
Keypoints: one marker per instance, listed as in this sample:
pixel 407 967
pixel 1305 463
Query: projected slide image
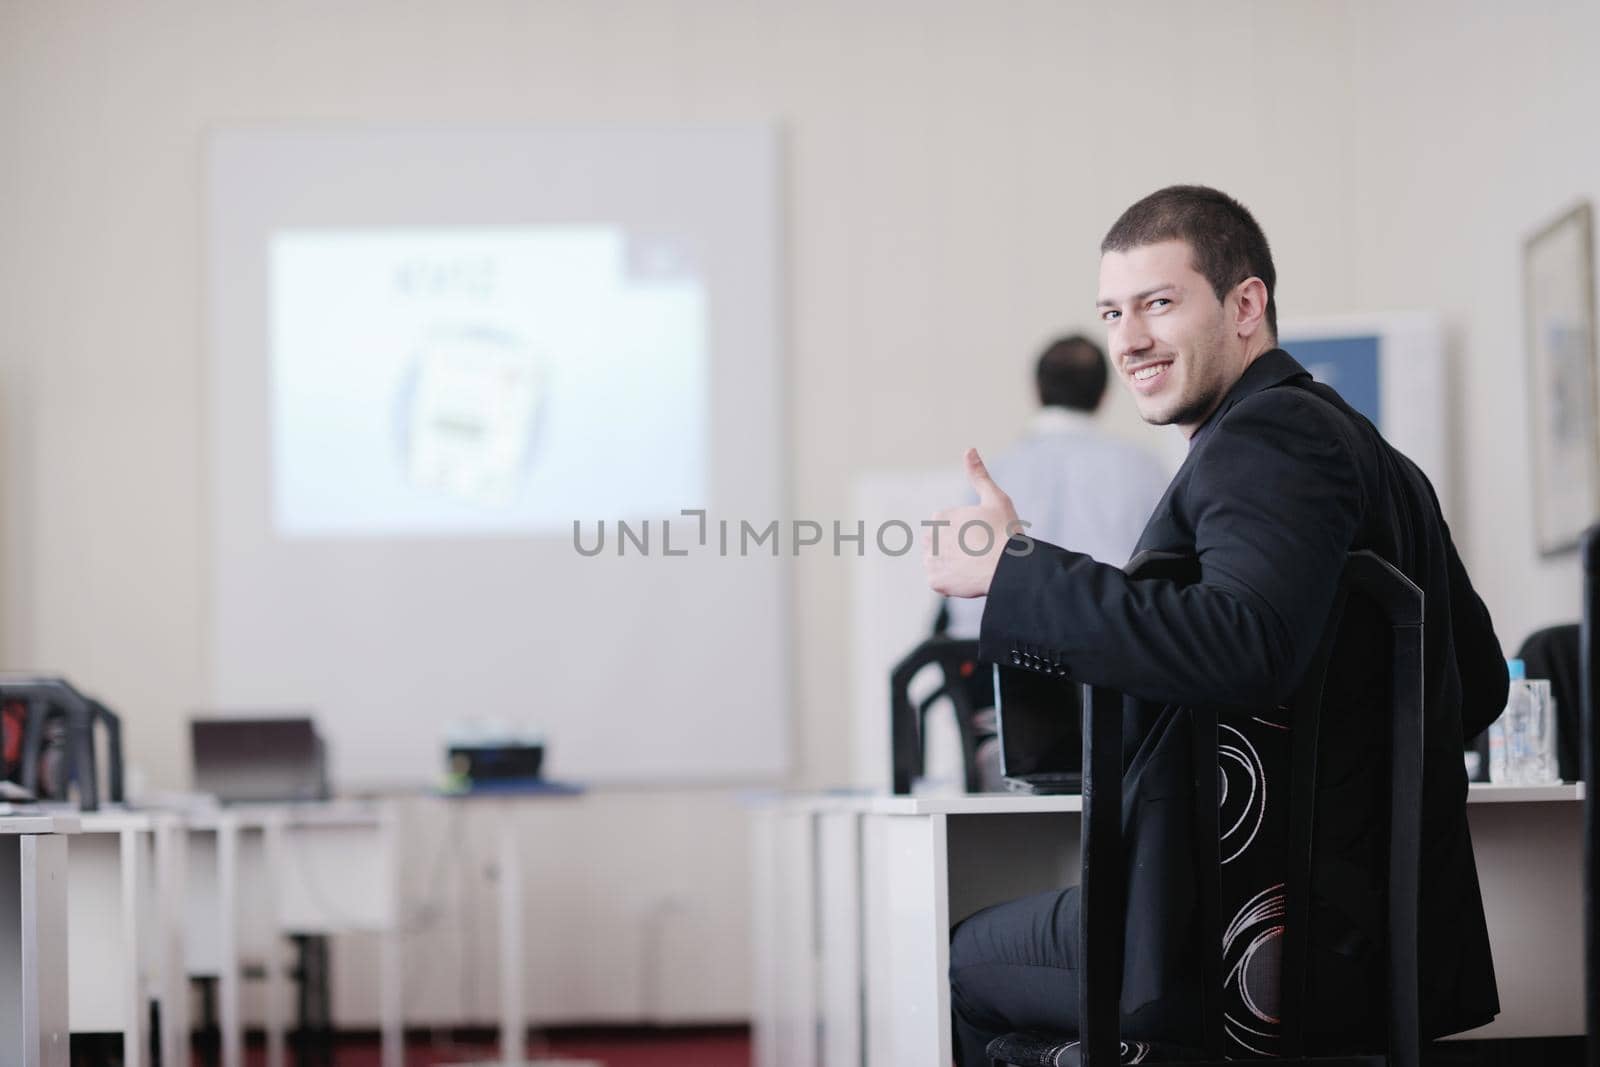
pixel 483 380
pixel 473 410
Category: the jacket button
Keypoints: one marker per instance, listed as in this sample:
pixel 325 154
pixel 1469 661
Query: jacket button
pixel 1016 659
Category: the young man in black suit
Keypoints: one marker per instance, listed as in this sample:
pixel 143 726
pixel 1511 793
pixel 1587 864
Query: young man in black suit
pixel 1282 481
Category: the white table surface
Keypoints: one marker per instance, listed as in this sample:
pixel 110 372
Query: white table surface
pixel 43 822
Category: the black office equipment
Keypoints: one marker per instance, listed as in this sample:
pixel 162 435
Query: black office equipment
pixel 967 687
pixel 474 764
pixel 1040 722
pixel 261 759
pixel 49 740
pixel 1098 1043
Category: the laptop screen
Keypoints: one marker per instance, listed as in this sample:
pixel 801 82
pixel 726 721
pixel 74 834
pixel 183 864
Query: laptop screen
pixel 1040 721
pixel 258 760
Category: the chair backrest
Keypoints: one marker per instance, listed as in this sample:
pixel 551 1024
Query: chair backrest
pixel 48 698
pixel 1589 675
pixel 960 680
pixel 1101 933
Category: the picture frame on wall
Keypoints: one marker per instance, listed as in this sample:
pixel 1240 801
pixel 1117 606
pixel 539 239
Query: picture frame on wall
pixel 1559 306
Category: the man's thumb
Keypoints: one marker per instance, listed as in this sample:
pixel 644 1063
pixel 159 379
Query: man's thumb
pixel 978 476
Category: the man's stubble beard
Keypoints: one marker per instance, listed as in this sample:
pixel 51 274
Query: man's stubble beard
pixel 1193 409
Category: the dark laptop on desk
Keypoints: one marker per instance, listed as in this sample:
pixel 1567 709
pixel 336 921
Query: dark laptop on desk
pixel 258 760
pixel 1040 717
pixel 1040 722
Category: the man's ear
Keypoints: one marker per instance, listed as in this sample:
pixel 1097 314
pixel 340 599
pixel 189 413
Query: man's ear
pixel 1250 315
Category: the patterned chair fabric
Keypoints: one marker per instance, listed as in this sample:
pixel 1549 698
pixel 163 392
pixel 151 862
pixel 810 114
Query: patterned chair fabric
pixel 1044 1050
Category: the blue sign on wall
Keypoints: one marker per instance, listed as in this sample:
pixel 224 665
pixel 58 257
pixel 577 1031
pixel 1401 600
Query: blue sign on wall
pixel 1348 364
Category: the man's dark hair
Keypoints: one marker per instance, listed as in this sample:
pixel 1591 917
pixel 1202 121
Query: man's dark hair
pixel 1071 374
pixel 1227 244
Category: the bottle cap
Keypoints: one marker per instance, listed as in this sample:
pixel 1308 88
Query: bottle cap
pixel 1518 669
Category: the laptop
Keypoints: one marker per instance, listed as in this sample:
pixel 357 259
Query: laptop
pixel 258 760
pixel 1040 722
pixel 1040 717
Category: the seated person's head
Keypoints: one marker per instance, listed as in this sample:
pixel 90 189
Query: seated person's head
pixel 1186 295
pixel 1071 374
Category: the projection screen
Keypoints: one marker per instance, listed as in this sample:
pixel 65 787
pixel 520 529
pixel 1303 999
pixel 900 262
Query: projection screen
pixel 435 351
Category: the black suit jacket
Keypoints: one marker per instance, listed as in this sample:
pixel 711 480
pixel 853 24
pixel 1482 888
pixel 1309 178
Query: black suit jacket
pixel 1280 484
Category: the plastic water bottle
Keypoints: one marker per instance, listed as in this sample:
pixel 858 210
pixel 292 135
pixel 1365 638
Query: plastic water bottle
pixel 1522 741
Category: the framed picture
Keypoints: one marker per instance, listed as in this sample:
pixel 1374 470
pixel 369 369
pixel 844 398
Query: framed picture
pixel 1558 280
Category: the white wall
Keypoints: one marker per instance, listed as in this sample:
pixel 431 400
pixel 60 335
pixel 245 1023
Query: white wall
pixel 952 166
pixel 1474 136
pixel 950 171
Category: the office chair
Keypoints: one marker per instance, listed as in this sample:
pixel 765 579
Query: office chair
pixel 962 682
pixel 1589 674
pixel 1101 928
pixel 57 747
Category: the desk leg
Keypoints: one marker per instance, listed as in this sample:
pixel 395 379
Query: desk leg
pixel 37 884
pixel 765 962
pixel 228 944
pixel 13 995
pixel 391 983
pixel 906 919
pixel 839 970
pixel 513 1013
pixel 390 987
pixel 275 986
pixel 131 983
pixel 172 879
pixel 797 1015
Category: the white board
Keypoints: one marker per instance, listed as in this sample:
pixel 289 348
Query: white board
pixel 433 351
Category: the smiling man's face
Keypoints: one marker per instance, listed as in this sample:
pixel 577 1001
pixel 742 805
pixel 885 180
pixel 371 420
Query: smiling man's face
pixel 1172 341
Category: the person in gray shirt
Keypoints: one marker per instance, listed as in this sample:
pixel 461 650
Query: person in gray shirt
pixel 1074 483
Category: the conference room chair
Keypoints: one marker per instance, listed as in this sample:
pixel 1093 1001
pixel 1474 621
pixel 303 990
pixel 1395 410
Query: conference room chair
pixel 1099 1042
pixel 1589 678
pixel 962 686
pixel 56 751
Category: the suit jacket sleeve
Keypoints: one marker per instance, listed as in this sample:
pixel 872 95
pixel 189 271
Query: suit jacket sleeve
pixel 1479 661
pixel 1273 502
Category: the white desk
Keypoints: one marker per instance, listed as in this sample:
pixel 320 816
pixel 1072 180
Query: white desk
pixel 123 944
pixel 1529 845
pixel 926 864
pixel 33 940
pixel 856 898
pixel 258 874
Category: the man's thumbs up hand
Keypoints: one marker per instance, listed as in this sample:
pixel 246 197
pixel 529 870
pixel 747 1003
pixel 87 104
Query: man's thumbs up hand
pixel 989 494
pixel 961 547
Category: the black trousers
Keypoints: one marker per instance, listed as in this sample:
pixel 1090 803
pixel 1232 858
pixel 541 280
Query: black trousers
pixel 1014 966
